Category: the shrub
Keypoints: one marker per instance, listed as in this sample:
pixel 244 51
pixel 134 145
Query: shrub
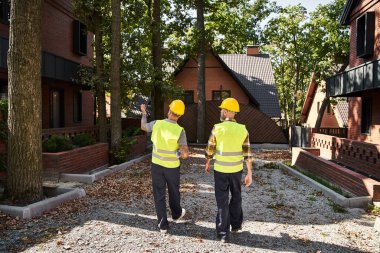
pixel 82 140
pixel 56 144
pixel 131 131
pixel 120 155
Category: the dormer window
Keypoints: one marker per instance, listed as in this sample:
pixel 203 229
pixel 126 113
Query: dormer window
pixel 365 29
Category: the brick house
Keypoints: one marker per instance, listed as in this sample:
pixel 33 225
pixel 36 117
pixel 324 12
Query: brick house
pixel 354 162
pixel 66 45
pixel 336 115
pixel 246 77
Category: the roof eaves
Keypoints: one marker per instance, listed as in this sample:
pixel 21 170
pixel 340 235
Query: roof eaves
pixel 251 97
pixel 345 16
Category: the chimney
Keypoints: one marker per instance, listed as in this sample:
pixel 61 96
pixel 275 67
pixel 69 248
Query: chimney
pixel 253 50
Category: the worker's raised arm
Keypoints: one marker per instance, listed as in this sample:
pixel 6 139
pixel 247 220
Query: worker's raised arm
pixel 145 126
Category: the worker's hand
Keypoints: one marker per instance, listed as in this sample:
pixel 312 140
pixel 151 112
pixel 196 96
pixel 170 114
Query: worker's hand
pixel 143 108
pixel 248 179
pixel 208 165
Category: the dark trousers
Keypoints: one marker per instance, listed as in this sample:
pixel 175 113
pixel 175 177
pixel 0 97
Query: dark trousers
pixel 161 177
pixel 230 213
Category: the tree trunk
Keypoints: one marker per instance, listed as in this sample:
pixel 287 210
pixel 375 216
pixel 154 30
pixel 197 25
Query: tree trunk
pixel 24 180
pixel 322 109
pixel 295 97
pixel 100 93
pixel 201 120
pixel 158 101
pixel 115 77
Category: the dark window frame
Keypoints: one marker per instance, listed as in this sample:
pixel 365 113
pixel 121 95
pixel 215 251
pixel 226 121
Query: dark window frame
pixel 215 92
pixel 79 38
pixel 187 94
pixel 365 35
pixel 5 9
pixel 77 107
pixel 366 116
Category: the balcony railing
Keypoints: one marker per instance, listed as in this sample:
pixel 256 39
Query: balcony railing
pixel 361 78
pixel 338 132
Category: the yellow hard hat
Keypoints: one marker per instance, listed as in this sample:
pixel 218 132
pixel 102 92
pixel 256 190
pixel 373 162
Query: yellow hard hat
pixel 230 104
pixel 177 107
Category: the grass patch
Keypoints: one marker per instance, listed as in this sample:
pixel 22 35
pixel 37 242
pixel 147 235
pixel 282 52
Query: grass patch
pixel 372 209
pixel 337 208
pixel 320 180
pixel 271 166
pixel 311 198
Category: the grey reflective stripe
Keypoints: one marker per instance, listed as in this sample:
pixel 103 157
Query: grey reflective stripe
pixel 228 163
pixel 169 159
pixel 164 151
pixel 229 153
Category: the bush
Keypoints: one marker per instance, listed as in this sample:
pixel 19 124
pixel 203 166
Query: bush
pixel 131 131
pixel 82 140
pixel 56 144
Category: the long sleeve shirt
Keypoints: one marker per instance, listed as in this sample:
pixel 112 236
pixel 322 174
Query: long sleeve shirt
pixel 211 146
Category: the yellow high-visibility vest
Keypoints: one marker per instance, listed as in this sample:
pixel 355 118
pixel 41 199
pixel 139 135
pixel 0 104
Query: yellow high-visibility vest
pixel 230 137
pixel 165 136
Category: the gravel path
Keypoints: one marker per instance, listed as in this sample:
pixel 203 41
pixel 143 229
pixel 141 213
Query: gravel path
pixel 281 214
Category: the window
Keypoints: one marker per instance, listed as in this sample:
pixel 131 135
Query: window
pixel 189 97
pixel 4 11
pixel 365 29
pixel 77 107
pixel 366 115
pixel 220 94
pixel 80 38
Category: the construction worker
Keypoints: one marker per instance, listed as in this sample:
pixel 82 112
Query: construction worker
pixel 169 144
pixel 229 142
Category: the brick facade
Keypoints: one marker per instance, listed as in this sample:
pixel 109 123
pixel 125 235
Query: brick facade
pixel 354 121
pixel 217 78
pixel 57 39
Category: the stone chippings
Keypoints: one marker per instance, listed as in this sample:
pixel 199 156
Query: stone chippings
pixel 281 214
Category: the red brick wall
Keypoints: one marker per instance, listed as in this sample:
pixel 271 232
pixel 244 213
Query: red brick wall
pixel 362 156
pixel 77 160
pixel 345 178
pixel 216 76
pixel 354 118
pixel 57 31
pixel 364 6
pixel 68 89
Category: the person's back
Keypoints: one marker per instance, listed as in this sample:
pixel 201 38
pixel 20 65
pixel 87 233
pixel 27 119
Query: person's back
pixel 228 144
pixel 169 143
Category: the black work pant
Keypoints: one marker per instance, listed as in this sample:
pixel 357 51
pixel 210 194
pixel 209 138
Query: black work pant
pixel 230 213
pixel 161 177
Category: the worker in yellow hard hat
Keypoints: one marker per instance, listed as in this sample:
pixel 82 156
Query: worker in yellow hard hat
pixel 169 144
pixel 228 145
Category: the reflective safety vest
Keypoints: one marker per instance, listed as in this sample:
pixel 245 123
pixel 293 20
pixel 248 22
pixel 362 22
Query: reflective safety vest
pixel 165 136
pixel 230 137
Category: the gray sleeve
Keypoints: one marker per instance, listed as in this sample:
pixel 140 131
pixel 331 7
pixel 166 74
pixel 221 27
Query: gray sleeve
pixel 182 141
pixel 147 127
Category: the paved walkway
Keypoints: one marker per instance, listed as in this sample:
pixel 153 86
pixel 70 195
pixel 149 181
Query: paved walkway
pixel 281 215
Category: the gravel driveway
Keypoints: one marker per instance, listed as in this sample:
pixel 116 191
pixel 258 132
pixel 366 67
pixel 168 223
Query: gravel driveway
pixel 281 214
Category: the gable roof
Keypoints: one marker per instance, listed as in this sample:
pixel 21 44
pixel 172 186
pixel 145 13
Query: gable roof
pixel 309 99
pixel 255 75
pixel 348 7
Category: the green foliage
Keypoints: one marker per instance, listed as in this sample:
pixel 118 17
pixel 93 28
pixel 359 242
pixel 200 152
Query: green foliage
pixel 57 143
pixel 131 131
pixel 82 140
pixel 337 208
pixel 372 209
pixel 300 44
